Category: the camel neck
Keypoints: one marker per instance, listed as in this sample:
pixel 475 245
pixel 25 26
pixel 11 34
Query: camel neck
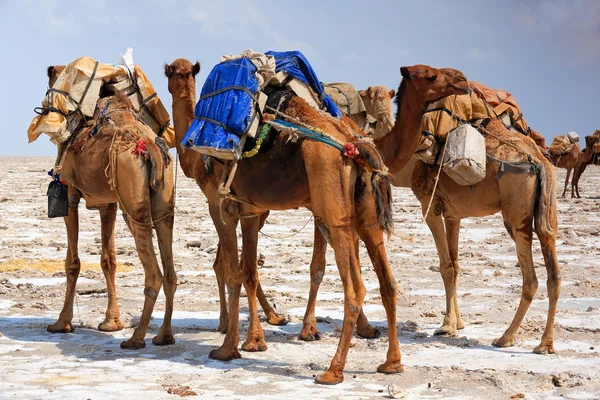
pixel 183 115
pixel 398 146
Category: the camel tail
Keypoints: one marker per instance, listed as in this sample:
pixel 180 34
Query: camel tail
pixel 157 166
pixel 546 221
pixel 380 182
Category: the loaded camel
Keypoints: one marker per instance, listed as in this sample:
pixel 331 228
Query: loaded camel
pixel 299 171
pixel 527 203
pixel 143 188
pixel 594 160
pixel 574 159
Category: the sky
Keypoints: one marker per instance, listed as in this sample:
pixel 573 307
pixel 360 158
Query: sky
pixel 545 52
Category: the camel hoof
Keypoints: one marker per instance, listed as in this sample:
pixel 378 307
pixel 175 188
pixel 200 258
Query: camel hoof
pixel 133 344
pixel 460 325
pixel 309 336
pixel 368 332
pixel 503 342
pixel 445 330
pixel 391 367
pixel 110 325
pixel 222 327
pixel 60 327
pixel 163 340
pixel 544 349
pixel 223 354
pixel 330 378
pixel 277 320
pixel 255 344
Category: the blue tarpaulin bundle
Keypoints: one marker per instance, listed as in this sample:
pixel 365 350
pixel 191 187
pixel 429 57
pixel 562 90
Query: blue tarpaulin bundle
pixel 225 109
pixel 227 104
pixel 296 65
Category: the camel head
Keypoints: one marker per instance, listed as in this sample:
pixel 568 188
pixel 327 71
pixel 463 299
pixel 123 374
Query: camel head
pixel 591 140
pixel 378 102
pixel 181 75
pixel 53 73
pixel 427 84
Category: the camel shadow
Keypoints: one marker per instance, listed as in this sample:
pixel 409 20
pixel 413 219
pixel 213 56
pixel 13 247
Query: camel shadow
pixel 92 345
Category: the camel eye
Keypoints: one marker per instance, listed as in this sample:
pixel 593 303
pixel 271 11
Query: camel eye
pixel 432 78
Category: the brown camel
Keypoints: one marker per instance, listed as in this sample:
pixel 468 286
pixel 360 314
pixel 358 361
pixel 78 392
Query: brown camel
pixel 574 159
pixel 298 173
pixel 594 160
pixel 101 168
pixel 453 202
pixel 377 101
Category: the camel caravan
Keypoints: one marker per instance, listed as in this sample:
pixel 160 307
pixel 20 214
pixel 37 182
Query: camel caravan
pixel 266 134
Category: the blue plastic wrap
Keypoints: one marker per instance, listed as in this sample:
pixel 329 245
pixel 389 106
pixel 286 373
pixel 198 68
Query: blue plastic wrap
pixel 296 65
pixel 222 118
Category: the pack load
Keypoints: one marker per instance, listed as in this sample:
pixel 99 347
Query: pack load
pixel 72 100
pixel 465 155
pixel 563 144
pixel 347 98
pixel 232 99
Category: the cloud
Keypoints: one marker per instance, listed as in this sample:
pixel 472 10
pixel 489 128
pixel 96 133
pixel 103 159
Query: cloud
pixel 573 27
pixel 476 54
pixel 241 20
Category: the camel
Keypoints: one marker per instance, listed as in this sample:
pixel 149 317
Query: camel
pixel 574 159
pixel 594 160
pixel 350 207
pixel 453 202
pixel 377 101
pixel 105 176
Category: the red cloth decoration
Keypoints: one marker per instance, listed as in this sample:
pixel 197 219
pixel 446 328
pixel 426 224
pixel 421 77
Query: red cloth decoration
pixel 140 148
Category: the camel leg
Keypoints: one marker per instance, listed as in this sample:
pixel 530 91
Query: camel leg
pixel 255 339
pixel 112 321
pixel 162 213
pixel 72 268
pixel 576 175
pixel 317 271
pixel 232 277
pixel 373 239
pixel 219 269
pixel 309 330
pixel 452 234
pixel 548 243
pixel 523 234
pixel 272 317
pixel 437 228
pixel 343 242
pixel 566 182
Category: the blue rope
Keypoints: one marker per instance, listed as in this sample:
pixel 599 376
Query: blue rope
pixel 311 134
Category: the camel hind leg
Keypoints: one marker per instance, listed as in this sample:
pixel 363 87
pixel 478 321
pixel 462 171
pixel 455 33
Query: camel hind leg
pixel 162 203
pixel 135 202
pixel 518 211
pixel 372 236
pixel 272 317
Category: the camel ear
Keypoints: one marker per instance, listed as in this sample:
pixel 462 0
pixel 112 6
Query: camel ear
pixel 362 93
pixel 195 68
pixel 405 73
pixel 50 71
pixel 168 70
pixel 392 93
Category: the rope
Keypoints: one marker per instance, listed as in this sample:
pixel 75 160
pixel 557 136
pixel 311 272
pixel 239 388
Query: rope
pixel 437 177
pixel 291 234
